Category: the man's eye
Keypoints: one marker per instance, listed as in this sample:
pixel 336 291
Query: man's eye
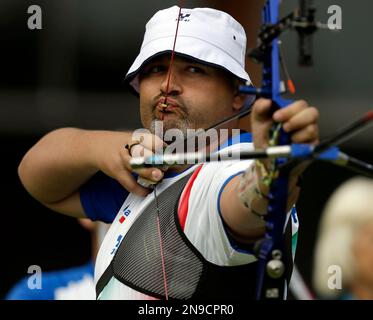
pixel 195 69
pixel 154 69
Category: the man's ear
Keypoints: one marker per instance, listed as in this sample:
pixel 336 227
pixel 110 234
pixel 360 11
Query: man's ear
pixel 239 101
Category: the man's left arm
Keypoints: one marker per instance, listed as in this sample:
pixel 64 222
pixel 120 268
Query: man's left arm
pixel 244 199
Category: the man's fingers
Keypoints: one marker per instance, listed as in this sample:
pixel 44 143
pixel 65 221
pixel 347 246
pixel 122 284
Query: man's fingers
pixel 139 150
pixel 261 110
pixel 302 119
pixel 152 174
pixel 150 141
pixel 309 134
pixel 284 114
pixel 129 183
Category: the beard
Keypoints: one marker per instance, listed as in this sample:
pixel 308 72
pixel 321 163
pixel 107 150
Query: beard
pixel 179 119
pixel 161 127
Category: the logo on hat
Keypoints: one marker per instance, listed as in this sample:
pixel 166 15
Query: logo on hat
pixel 184 17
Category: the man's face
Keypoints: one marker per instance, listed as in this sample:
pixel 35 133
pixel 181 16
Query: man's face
pixel 198 95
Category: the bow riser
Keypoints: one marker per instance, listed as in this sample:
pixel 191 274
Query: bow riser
pixel 271 250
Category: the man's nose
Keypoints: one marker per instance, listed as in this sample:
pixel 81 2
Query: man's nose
pixel 171 84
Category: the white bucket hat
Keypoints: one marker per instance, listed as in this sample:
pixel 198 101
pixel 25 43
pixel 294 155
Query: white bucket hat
pixel 207 35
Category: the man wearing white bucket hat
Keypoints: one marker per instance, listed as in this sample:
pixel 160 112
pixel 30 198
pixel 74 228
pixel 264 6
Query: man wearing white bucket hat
pixel 206 35
pixel 191 237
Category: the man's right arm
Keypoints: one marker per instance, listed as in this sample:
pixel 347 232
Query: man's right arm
pixel 55 168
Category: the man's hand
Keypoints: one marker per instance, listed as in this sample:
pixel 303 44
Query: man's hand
pixel 298 119
pixel 114 160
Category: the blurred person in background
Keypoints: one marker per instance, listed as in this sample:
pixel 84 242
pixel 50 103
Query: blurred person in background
pixel 75 283
pixel 346 242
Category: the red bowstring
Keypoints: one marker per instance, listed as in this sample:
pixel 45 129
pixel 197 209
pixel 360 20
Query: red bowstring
pixel 162 257
pixel 165 103
pixel 172 57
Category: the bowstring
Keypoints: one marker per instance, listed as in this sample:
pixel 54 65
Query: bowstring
pixel 172 57
pixel 164 105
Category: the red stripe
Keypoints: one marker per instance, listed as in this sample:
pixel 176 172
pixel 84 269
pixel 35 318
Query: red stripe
pixel 184 199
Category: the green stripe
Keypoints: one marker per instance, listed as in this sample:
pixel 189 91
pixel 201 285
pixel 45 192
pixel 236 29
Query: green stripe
pixel 294 241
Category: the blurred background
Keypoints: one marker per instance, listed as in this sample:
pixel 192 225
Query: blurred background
pixel 70 73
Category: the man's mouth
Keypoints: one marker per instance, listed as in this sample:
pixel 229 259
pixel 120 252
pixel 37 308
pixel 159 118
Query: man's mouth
pixel 167 108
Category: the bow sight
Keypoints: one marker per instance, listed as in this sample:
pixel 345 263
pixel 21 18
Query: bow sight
pixel 302 20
